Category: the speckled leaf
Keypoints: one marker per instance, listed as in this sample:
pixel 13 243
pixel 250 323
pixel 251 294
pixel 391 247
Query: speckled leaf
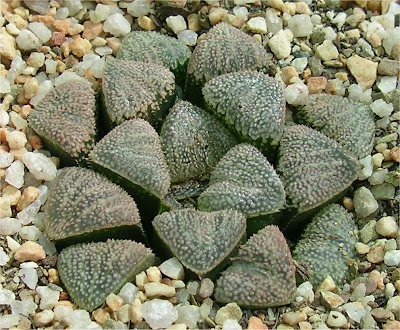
pixel 201 240
pixel 327 242
pixel 137 90
pixel 313 167
pixel 263 274
pixel 347 122
pixel 193 142
pixel 82 205
pixel 90 272
pixel 250 103
pixel 65 119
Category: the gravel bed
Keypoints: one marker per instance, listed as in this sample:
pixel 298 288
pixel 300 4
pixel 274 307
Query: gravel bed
pixel 347 48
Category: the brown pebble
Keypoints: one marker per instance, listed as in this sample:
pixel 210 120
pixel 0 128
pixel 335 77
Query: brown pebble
pixel 256 323
pixel 92 30
pixel 57 38
pixel 378 279
pixel 376 255
pixel 80 46
pixel 114 43
pixel 61 25
pixel 395 154
pixel 382 315
pixel 316 84
pixel 28 196
pixel 36 142
pixel 45 19
pixel 370 284
pixel 29 251
pixel 288 73
pixel 391 325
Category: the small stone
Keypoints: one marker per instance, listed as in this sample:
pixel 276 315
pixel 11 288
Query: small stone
pixel 356 310
pixel 305 326
pixel 29 277
pixel 231 325
pixel 230 311
pixel 139 8
pixel 188 315
pixel 377 278
pixel 362 248
pixel 393 304
pixel 154 274
pixel 62 25
pixel 216 15
pixel 7 46
pixel 376 255
pixel 40 166
pixel 280 43
pixel 44 318
pixel 387 84
pixel 9 226
pixel 29 195
pixel 9 321
pixel 392 258
pixel 274 23
pixel 305 290
pixel 80 46
pixel 288 73
pixel 101 316
pixel 128 293
pixel 178 284
pixel 206 288
pixel 381 108
pixel 327 51
pixel 123 314
pixel 159 313
pixel 173 269
pixel 154 289
pixel 293 318
pixel 359 292
pixel 48 297
pixel 6 159
pixel 141 280
pixel 257 25
pixel 395 154
pixel 300 25
pixel 117 25
pixel 296 94
pixel 368 233
pixel 188 37
pixel 390 245
pixel 114 302
pixel 382 315
pixel 135 312
pixel 29 251
pixel 363 70
pixel 387 67
pixel 387 227
pixel 331 300
pixel 146 23
pixel 336 320
pixel 391 325
pixel 176 23
pixel 15 174
pixel 364 202
pixel 4 258
pixel 378 177
pixel 255 323
pixel 370 284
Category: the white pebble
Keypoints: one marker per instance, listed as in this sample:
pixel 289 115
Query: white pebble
pixel 241 11
pixel 188 37
pixel 24 307
pixel 176 23
pixel 28 264
pixel 51 66
pixel 392 258
pixel 30 233
pixel 305 290
pixel 12 243
pixel 139 8
pixel 48 297
pixel 387 84
pixel 301 25
pixel 40 166
pixel 296 94
pixel 128 293
pixel 44 88
pixel 17 66
pixel 159 313
pixel 15 174
pixel 4 258
pixel 4 118
pixel 41 31
pixel 79 319
pixel 67 76
pixel 18 121
pixel 74 6
pixel 6 159
pixel 27 215
pixel 9 226
pixel 381 108
pixel 6 296
pixel 117 25
pixel 257 25
pixel 231 325
pixel 173 269
pixel 9 321
pixel 367 168
pixel 103 50
pixel 16 139
pixel 27 40
pixel 274 23
pixel 29 277
pixel 5 86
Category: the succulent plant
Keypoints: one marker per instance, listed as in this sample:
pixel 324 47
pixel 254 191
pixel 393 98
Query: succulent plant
pixel 224 49
pixel 326 244
pixel 202 241
pixel 348 122
pixel 314 168
pixel 153 47
pixel 65 120
pixel 131 156
pixel 251 104
pixel 92 271
pixel 245 181
pixel 136 90
pixel 193 142
pixel 84 206
pixel 262 275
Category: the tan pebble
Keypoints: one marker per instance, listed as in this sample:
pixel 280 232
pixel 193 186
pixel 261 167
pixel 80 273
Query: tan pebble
pixel 22 79
pixel 194 22
pixel 363 70
pixel 16 139
pixel 5 208
pixel 114 302
pixel 374 40
pixel 154 289
pixel 146 23
pixel 362 248
pixel 36 142
pixel 306 74
pixel 348 203
pixel 141 280
pixel 135 312
pixel 12 194
pixel 397 285
pixel 316 84
pixel 331 300
pixel 376 255
pixel 101 316
pixel 80 46
pixel 2 175
pixel 327 285
pixel 57 38
pixel 378 279
pixel 167 281
pixel 74 29
pixel 140 295
pixel 342 76
pixel 304 325
pixel 374 5
pixel 28 196
pixel 35 60
pixel 31 88
pixel 54 276
pixel 382 315
pixel 387 157
pixel 114 43
pixel 361 3
pixel 18 153
pixel 293 318
pixel 45 19
pixel 44 318
pixel 30 251
pixel 302 8
pixel 391 325
pixel 284 326
pixel 25 111
pixel 387 227
pixel 177 326
pixel 7 46
pixel 153 274
pixel 92 30
pixel 216 15
pixel 64 303
pixel 61 25
pixel 63 296
pixel 19 22
pixel 288 73
pixel 377 160
pixel 122 314
pixel 256 323
pixel 395 154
